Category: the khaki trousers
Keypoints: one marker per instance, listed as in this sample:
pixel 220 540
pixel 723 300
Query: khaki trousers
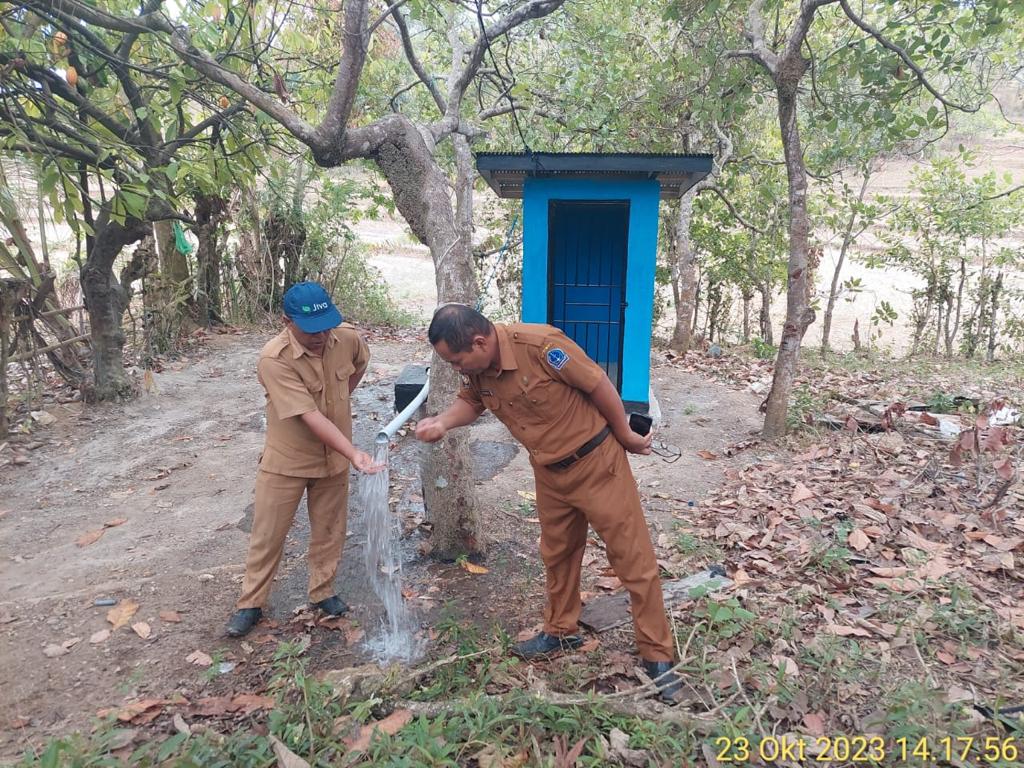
pixel 599 489
pixel 277 498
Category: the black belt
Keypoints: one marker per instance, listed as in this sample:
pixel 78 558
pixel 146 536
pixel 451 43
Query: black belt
pixel 583 450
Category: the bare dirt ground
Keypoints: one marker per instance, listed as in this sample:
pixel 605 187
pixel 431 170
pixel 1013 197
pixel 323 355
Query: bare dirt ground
pixel 177 466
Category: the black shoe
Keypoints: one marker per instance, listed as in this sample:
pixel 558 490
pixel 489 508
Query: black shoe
pixel 243 621
pixel 332 606
pixel 668 684
pixel 543 645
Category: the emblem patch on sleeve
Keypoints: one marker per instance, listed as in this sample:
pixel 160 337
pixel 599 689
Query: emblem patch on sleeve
pixel 557 359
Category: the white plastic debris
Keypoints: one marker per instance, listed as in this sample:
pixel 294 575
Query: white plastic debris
pixel 949 428
pixel 1005 416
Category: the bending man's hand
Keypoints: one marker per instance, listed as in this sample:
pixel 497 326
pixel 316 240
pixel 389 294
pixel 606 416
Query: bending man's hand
pixel 430 429
pixel 635 443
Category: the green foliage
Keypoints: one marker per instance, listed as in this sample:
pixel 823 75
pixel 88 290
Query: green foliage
pixel 762 349
pixel 944 236
pixel 307 713
pixel 725 618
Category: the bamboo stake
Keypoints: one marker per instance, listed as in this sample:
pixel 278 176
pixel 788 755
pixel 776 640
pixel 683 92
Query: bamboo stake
pixel 43 350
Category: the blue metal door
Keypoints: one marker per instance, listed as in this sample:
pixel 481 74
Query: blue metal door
pixel 587 244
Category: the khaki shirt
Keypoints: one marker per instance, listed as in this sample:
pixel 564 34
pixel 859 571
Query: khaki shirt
pixel 297 382
pixel 541 391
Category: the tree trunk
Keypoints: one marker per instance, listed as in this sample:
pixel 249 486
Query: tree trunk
pixel 422 195
pixel 697 296
pixel 764 315
pixel 747 298
pixel 951 336
pixel 997 287
pixel 684 275
pixel 799 314
pixel 209 215
pixel 286 237
pixel 106 300
pixel 833 291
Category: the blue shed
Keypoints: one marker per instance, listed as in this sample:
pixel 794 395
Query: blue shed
pixel 590 243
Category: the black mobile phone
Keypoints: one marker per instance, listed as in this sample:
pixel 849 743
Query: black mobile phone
pixel 640 423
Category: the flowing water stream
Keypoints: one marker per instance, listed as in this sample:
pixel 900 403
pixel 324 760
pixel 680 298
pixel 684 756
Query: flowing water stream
pixel 396 639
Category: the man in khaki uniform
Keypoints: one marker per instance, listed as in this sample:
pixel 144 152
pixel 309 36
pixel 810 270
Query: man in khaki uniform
pixel 563 408
pixel 308 372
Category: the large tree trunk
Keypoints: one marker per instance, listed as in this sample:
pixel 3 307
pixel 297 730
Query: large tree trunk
pixel 422 195
pixel 997 288
pixel 833 292
pixel 684 274
pixel 106 300
pixel 764 314
pixel 209 215
pixel 799 314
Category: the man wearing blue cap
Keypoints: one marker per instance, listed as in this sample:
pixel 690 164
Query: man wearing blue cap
pixel 308 372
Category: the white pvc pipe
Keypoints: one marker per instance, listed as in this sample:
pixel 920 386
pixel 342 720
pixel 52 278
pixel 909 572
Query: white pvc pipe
pixel 385 435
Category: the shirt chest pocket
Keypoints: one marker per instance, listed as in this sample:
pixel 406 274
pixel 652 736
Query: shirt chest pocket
pixel 540 401
pixel 342 375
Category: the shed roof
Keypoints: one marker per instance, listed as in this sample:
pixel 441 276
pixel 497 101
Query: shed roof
pixel 506 171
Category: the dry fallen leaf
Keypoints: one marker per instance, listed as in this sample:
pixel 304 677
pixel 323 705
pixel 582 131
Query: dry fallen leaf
pixel 608 582
pixel 99 637
pixel 787 665
pixel 199 658
pixel 843 630
pixel 115 522
pixel 353 636
pixel 858 540
pixel 801 493
pixel 180 725
pixel 707 455
pixel 171 616
pixel 142 629
pixel 390 725
pixel 122 613
pixel 90 537
pixel 814 723
pixel 528 495
pixel 285 757
pixel 247 703
pixel 473 567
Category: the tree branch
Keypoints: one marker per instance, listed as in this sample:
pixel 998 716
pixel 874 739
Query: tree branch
pixel 199 60
pixel 533 9
pixel 414 62
pixel 330 134
pixel 169 148
pixel 797 35
pixel 119 65
pixel 904 56
pixel 380 19
pixel 732 209
pixel 57 85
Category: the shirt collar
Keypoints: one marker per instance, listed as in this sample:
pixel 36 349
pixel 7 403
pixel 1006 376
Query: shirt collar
pixel 506 355
pixel 298 350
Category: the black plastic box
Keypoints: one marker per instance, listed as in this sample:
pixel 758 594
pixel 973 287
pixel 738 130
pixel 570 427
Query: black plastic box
pixel 408 384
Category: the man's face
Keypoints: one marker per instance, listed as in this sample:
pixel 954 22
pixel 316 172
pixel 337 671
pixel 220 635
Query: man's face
pixel 314 342
pixel 469 362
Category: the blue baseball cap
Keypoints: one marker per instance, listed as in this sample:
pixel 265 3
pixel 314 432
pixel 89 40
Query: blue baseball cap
pixel 310 307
